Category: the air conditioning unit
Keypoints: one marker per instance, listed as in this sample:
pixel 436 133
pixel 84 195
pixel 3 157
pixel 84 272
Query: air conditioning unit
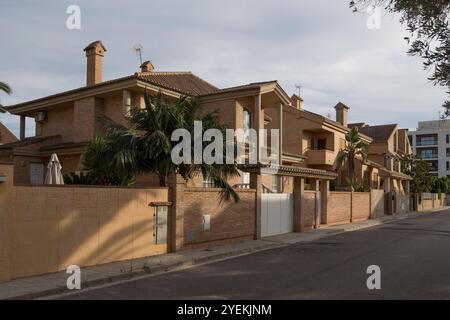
pixel 40 116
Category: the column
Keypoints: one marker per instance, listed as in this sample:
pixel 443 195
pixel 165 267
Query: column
pixel 175 235
pixel 255 183
pixel 257 117
pixel 280 126
pixel 22 127
pixel 299 187
pixel 324 195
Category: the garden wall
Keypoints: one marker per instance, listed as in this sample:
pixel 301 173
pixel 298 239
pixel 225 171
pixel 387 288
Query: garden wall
pixel 45 229
pixel 229 221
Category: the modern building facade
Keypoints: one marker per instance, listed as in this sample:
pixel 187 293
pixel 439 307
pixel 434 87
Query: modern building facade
pixel 431 141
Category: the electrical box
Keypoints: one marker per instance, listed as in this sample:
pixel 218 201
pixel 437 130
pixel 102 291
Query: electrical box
pixel 206 222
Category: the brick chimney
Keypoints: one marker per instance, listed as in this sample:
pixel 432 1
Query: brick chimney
pixel 342 114
pixel 297 101
pixel 94 54
pixel 147 66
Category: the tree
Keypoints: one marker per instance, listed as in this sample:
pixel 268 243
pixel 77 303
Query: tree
pixel 6 89
pixel 101 170
pixel 418 169
pixel 439 185
pixel 354 147
pixel 146 146
pixel 427 21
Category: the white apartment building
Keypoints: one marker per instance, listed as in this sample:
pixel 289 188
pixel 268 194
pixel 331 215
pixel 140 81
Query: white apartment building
pixel 431 141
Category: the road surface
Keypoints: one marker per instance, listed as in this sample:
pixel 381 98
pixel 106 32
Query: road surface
pixel 413 255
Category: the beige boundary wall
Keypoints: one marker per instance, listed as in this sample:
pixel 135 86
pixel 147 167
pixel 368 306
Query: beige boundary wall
pixel 345 207
pixel 431 201
pixel 45 229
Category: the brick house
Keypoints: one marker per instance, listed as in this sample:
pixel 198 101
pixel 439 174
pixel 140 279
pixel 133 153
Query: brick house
pixel 67 121
pixel 388 146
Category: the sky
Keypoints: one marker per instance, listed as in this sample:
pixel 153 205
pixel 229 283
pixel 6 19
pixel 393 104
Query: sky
pixel 320 44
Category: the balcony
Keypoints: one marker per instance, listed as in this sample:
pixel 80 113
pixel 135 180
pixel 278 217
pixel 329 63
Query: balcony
pixel 320 157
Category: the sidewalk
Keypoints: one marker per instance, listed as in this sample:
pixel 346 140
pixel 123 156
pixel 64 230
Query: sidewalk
pixel 52 284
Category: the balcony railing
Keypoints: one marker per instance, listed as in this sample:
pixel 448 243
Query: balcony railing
pixel 426 143
pixel 429 156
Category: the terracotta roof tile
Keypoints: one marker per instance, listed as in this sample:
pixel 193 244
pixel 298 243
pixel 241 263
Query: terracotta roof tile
pixel 6 136
pixel 183 82
pixel 378 133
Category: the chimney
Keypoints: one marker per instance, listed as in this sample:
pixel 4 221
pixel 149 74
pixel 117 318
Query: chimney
pixel 94 54
pixel 297 101
pixel 342 114
pixel 147 66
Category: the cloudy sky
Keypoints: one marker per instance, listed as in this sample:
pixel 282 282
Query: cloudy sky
pixel 318 43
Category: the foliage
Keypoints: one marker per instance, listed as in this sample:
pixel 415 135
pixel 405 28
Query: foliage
pixel 357 187
pixel 439 185
pixel 80 178
pixel 354 147
pixel 147 146
pixel 418 169
pixel 102 170
pixel 427 21
pixel 6 89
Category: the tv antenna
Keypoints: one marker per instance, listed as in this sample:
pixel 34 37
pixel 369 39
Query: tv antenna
pixel 299 88
pixel 138 49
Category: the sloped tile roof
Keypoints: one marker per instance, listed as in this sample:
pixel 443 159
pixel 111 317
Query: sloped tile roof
pixel 378 133
pixel 183 82
pixel 6 136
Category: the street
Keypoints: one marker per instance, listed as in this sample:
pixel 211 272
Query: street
pixel 413 255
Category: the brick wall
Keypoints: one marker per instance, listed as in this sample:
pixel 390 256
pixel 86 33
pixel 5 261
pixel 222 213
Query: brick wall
pixel 309 208
pixel 377 203
pixel 361 206
pixel 229 221
pixel 338 211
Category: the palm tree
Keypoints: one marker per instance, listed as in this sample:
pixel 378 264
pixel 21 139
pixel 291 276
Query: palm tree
pixel 146 146
pixel 354 147
pixel 7 89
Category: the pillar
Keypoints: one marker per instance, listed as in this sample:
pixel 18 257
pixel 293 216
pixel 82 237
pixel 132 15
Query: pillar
pixel 256 183
pixel 280 133
pixel 259 133
pixel 22 127
pixel 299 187
pixel 177 186
pixel 324 195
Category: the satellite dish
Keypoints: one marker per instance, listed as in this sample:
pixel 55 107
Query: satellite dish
pixel 138 49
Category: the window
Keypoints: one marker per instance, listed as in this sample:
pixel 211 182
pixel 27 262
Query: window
pixel 427 140
pixel 246 124
pixel 208 183
pixel 428 153
pixel 311 143
pixel 321 144
pixel 447 138
pixel 246 178
pixel 448 165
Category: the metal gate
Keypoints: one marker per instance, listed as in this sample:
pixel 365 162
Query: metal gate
pixel 277 213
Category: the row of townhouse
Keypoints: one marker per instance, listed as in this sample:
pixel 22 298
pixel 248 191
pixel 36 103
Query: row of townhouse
pixel 47 228
pixel 310 143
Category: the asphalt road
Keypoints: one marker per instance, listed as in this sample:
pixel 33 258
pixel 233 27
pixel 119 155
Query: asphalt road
pixel 413 254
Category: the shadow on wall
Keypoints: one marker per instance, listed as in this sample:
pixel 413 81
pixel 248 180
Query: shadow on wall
pixel 228 221
pixel 45 229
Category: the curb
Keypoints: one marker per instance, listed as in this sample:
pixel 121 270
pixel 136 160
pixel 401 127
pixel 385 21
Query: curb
pixel 146 269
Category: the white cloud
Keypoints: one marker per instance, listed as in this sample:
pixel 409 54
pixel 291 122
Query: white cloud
pixel 318 43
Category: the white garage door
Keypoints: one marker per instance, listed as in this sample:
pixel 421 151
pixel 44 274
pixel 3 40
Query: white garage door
pixel 277 213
